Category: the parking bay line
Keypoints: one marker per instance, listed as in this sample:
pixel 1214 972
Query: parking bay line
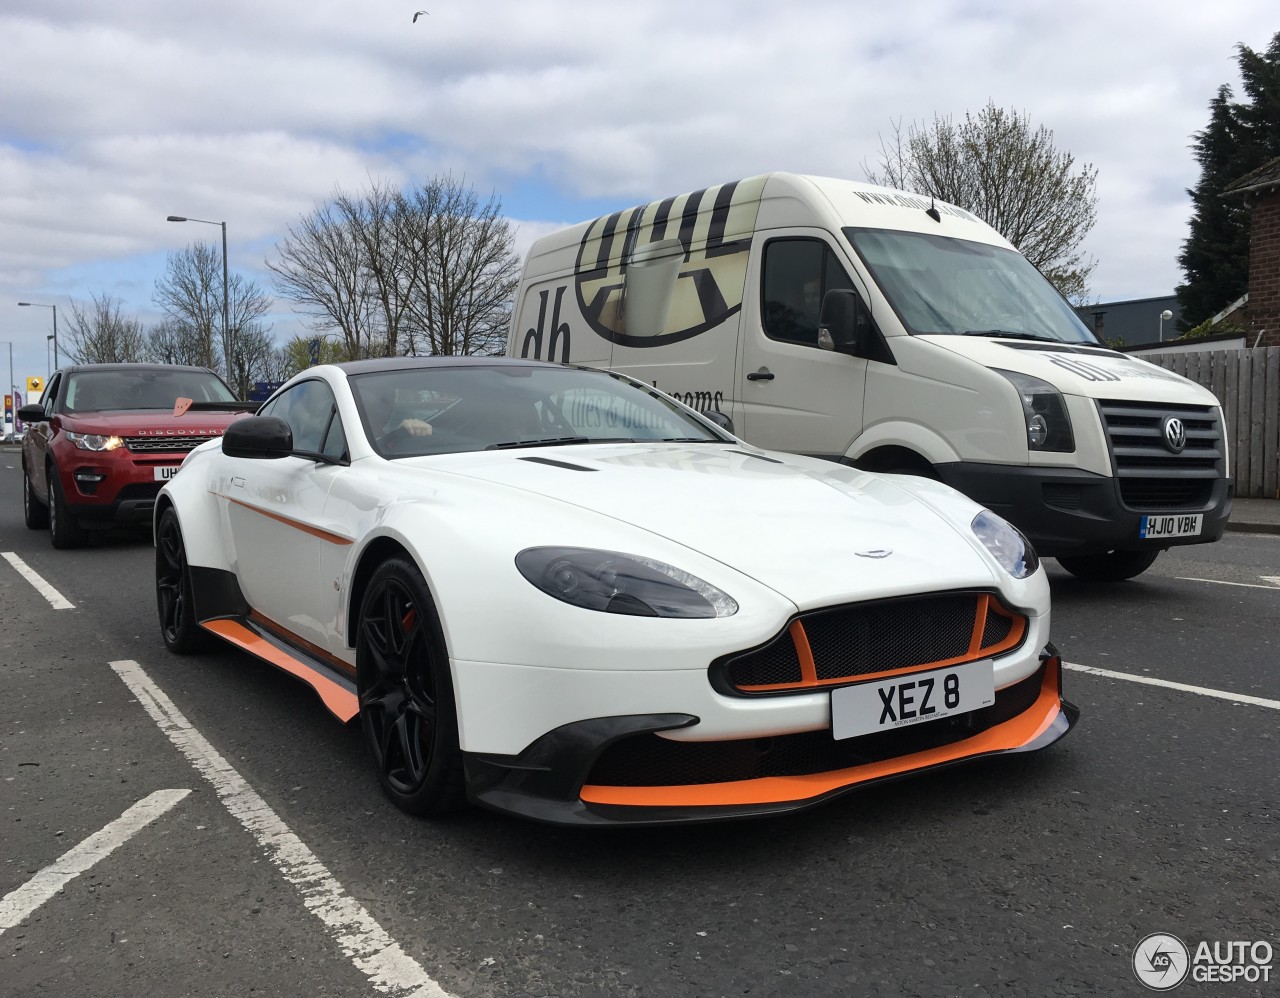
pixel 18 904
pixel 55 598
pixel 390 970
pixel 1169 684
pixel 1243 585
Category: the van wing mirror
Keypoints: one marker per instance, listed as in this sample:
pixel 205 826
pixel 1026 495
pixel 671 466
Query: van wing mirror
pixel 846 327
pixel 843 314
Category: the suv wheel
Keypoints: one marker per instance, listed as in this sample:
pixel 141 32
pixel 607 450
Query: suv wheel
pixel 64 530
pixel 34 512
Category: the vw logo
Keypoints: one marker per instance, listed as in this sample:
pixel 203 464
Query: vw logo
pixel 1175 434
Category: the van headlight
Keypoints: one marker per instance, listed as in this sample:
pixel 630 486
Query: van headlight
pixel 621 583
pixel 1048 425
pixel 1006 543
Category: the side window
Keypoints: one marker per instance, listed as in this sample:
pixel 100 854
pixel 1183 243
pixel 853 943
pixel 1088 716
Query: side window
pixel 797 273
pixel 309 410
pixel 51 395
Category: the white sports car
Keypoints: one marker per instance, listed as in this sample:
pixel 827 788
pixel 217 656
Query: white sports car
pixel 560 593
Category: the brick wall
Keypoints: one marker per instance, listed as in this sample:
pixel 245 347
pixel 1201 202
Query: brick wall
pixel 1264 269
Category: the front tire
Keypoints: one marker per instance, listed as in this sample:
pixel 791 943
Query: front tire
pixel 178 627
pixel 1114 566
pixel 34 512
pixel 407 708
pixel 64 530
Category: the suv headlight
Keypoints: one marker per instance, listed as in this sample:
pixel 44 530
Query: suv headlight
pixel 1048 425
pixel 1006 543
pixel 621 583
pixel 94 441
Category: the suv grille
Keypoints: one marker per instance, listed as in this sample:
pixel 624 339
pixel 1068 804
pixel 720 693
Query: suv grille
pixel 1151 475
pixel 170 444
pixel 825 648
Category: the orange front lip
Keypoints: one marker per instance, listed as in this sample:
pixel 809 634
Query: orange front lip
pixel 1017 732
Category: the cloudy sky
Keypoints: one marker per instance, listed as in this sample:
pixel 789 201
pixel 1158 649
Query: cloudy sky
pixel 118 114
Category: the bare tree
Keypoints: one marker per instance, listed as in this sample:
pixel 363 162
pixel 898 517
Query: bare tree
pixel 175 341
pixel 102 334
pixel 373 220
pixel 322 271
pixel 1011 176
pixel 464 271
pixel 190 293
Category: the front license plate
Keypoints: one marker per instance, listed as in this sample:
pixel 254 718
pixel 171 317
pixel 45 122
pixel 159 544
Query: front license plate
pixel 1184 525
pixel 167 472
pixel 886 704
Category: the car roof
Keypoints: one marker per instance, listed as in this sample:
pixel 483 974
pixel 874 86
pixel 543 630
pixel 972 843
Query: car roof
pixel 81 368
pixel 382 364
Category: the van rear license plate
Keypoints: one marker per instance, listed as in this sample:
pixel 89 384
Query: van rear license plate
pixel 886 704
pixel 165 472
pixel 1184 525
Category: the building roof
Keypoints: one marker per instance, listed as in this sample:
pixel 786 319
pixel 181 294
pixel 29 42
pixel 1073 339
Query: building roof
pixel 1264 178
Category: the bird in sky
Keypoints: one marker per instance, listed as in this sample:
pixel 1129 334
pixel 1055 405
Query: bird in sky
pixel 419 14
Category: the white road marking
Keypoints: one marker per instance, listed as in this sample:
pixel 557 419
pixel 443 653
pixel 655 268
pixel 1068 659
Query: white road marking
pixel 1273 579
pixel 1169 684
pixel 390 970
pixel 1219 582
pixel 18 904
pixel 55 598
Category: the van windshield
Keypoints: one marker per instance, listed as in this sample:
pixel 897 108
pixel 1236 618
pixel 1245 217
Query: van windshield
pixel 939 284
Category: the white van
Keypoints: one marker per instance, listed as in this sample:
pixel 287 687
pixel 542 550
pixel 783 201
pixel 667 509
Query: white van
pixel 895 333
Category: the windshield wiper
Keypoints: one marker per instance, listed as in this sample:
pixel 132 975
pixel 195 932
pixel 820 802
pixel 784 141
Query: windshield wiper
pixel 692 440
pixel 1010 335
pixel 543 442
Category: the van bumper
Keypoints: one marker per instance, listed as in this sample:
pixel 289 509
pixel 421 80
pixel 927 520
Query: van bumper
pixel 1064 511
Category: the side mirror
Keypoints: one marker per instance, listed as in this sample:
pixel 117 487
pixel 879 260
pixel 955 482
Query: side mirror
pixel 842 315
pixel 720 419
pixel 32 413
pixel 258 437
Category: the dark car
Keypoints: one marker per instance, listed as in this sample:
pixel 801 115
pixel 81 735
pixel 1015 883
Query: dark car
pixel 104 438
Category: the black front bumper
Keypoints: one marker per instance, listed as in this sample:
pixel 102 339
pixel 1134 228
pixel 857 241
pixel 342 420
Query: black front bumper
pixel 1064 511
pixel 620 771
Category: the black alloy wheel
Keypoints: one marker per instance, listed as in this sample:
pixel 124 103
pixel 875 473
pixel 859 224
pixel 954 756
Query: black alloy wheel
pixel 64 530
pixel 34 512
pixel 407 710
pixel 182 634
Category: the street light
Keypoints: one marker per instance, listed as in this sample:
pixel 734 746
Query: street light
pixel 36 304
pixel 226 320
pixel 1166 314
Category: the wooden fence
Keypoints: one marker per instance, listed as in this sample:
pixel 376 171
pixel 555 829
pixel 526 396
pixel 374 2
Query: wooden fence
pixel 1247 383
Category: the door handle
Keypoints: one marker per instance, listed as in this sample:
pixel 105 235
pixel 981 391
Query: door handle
pixel 764 374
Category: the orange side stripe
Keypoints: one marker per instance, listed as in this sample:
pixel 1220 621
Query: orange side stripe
pixel 1013 733
pixel 342 702
pixel 324 535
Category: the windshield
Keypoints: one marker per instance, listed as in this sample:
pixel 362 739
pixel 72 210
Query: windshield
pixel 938 284
pixel 440 410
pixel 95 391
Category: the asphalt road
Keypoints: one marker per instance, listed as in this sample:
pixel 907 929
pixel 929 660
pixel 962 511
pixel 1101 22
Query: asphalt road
pixel 1028 875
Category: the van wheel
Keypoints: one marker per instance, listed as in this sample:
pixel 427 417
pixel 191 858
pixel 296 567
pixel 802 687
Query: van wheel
pixel 1114 566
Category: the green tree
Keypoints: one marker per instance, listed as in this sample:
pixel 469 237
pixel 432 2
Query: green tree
pixel 1010 175
pixel 1240 137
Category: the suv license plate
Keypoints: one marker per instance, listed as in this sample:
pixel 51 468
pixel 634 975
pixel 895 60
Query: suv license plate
pixel 886 704
pixel 163 474
pixel 1184 525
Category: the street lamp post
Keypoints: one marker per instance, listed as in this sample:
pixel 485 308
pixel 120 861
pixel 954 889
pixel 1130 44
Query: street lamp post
pixel 11 423
pixel 36 304
pixel 1166 314
pixel 226 312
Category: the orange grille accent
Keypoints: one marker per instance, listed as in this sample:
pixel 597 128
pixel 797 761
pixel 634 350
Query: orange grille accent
pixel 813 676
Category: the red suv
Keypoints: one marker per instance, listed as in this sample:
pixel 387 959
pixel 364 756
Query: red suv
pixel 104 438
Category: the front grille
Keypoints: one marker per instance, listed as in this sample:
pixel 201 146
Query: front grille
pixel 139 490
pixel 1166 493
pixel 173 444
pixel 1135 433
pixel 649 760
pixel 827 647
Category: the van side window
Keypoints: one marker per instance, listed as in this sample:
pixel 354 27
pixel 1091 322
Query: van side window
pixel 797 273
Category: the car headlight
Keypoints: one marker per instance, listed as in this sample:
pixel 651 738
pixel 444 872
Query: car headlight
pixel 1048 425
pixel 1006 543
pixel 621 583
pixel 94 441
